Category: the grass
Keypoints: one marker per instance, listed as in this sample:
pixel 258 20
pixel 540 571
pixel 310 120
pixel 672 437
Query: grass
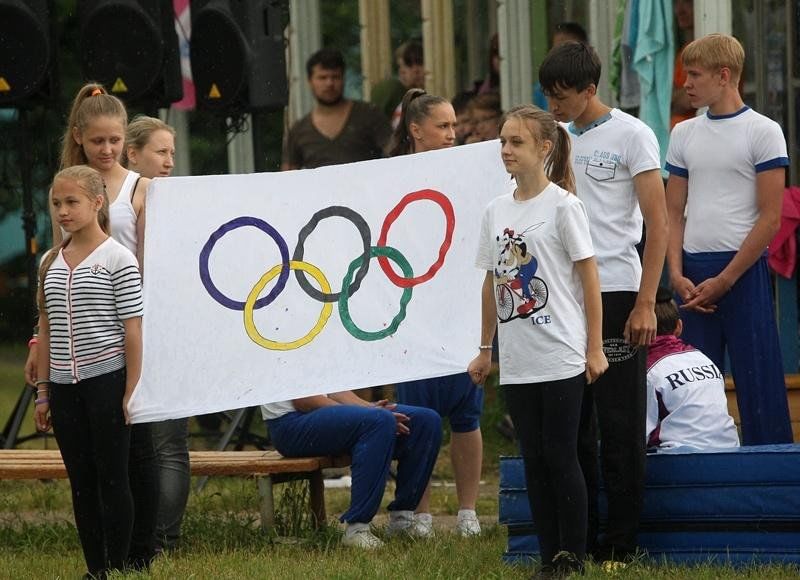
pixel 222 538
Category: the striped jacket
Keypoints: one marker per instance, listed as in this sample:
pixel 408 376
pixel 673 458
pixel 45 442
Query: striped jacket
pixel 86 308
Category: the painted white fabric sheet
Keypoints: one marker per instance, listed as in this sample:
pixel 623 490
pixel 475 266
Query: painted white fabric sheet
pixel 211 243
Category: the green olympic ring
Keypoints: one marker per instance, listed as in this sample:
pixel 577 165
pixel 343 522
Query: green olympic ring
pixel 344 309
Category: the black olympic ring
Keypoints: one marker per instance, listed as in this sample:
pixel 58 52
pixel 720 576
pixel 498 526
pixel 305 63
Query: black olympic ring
pixel 363 229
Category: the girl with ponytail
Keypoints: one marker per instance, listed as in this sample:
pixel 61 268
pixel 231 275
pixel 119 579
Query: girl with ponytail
pixel 95 137
pixel 89 361
pixel 542 285
pixel 427 123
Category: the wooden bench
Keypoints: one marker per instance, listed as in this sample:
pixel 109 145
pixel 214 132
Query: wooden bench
pixel 792 394
pixel 268 467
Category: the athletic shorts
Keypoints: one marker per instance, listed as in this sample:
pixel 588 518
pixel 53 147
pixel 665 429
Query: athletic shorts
pixel 455 398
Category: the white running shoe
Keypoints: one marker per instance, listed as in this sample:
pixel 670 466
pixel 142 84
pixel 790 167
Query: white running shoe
pixel 468 524
pixel 410 524
pixel 362 538
pixel 400 523
pixel 422 526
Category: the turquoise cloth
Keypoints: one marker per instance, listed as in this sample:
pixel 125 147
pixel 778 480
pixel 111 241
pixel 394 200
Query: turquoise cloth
pixel 653 61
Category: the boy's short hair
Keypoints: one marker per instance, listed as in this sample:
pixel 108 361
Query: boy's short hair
pixel 571 65
pixel 573 30
pixel 666 312
pixel 327 58
pixel 461 101
pixel 411 53
pixel 715 51
pixel 486 102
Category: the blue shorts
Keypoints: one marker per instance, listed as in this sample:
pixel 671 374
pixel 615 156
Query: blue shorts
pixel 455 398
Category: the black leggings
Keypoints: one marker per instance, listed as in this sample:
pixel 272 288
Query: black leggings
pixel 546 417
pixel 91 433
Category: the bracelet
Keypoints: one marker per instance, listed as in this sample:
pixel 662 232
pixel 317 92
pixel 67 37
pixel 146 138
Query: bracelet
pixel 42 400
pixel 485 347
pixel 41 382
pixel 33 341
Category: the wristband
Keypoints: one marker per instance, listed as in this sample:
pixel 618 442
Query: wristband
pixel 485 347
pixel 33 341
pixel 42 400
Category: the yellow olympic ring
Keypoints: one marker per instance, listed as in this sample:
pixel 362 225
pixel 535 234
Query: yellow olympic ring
pixel 249 306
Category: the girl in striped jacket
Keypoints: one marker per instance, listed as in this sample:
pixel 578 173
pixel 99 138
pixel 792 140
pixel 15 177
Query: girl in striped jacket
pixel 90 353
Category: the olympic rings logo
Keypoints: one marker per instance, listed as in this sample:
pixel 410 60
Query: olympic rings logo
pixel 356 271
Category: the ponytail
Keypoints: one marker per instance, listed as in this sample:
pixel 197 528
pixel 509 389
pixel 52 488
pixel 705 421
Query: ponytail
pixel 558 166
pixel 92 101
pixel 414 108
pixel 543 127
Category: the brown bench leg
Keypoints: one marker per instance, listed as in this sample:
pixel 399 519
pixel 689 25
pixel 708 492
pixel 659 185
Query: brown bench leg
pixel 267 503
pixel 317 497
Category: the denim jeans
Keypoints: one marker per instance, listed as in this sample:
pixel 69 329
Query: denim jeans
pixel 143 476
pixel 170 439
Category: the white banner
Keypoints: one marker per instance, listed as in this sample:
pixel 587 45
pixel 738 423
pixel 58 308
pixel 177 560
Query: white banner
pixel 243 280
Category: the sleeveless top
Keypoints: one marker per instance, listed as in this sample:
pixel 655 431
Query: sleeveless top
pixel 123 216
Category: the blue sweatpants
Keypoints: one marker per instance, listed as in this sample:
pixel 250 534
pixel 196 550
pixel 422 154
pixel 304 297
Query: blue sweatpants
pixel 744 323
pixel 368 435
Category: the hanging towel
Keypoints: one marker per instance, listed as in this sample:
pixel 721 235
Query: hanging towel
pixel 653 60
pixel 783 249
pixel 630 95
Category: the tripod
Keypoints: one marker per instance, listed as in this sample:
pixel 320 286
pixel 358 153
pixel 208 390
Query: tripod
pixel 239 421
pixel 10 436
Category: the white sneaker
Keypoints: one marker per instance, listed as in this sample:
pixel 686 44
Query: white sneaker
pixel 400 522
pixel 422 526
pixel 362 538
pixel 410 524
pixel 468 524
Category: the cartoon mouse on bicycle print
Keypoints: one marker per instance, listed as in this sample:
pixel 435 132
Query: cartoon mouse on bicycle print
pixel 520 293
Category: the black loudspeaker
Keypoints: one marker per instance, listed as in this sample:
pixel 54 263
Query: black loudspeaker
pixel 238 54
pixel 130 46
pixel 26 51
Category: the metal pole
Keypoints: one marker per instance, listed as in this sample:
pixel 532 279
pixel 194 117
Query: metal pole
pixel 376 43
pixel 514 30
pixel 240 148
pixel 305 38
pixel 712 16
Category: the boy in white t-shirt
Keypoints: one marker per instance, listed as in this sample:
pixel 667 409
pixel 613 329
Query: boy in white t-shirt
pixel 727 176
pixel 686 402
pixel 617 162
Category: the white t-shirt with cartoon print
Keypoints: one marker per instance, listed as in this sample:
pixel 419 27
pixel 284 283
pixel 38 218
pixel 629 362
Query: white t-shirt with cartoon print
pixel 720 156
pixel 530 246
pixel 606 156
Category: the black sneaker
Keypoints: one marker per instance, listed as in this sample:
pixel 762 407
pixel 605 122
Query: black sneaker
pixel 567 563
pixel 545 572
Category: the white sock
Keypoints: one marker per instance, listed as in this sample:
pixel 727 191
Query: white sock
pixel 466 513
pixel 354 528
pixel 424 518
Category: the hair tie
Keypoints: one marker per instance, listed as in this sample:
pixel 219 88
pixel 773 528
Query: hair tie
pixel 96 92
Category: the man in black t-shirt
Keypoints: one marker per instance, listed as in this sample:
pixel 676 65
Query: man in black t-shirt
pixel 337 130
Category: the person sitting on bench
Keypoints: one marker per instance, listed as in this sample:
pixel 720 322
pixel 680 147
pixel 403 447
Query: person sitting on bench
pixel 686 403
pixel 372 434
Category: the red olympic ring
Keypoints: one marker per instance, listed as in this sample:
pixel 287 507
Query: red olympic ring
pixel 431 195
